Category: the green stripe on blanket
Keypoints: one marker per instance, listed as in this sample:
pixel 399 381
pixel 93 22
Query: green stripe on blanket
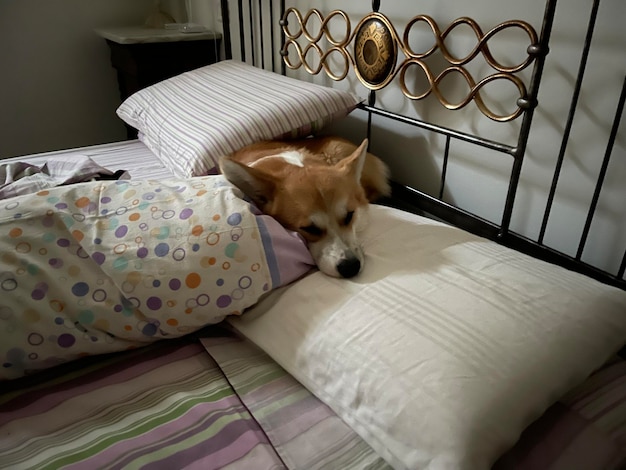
pixel 304 431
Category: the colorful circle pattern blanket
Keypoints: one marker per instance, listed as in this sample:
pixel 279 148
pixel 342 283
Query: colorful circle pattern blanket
pixel 106 266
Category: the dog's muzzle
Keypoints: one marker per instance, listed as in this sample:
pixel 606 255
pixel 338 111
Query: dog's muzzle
pixel 337 261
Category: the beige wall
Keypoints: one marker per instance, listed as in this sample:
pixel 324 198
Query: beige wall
pixel 57 87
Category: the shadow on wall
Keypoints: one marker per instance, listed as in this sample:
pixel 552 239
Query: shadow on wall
pixel 582 161
pixel 406 150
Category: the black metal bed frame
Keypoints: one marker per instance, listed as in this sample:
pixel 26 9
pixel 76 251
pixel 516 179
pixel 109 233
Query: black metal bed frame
pixel 414 200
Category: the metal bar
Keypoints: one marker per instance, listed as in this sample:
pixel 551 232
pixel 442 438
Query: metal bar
pixel 532 248
pixel 444 169
pixel 522 141
pixel 570 118
pixel 242 41
pixel 228 47
pixel 251 21
pixel 622 267
pixel 490 144
pixel 371 104
pixel 272 37
pixel 283 66
pixel 261 34
pixel 372 96
pixel 414 200
pixel 605 165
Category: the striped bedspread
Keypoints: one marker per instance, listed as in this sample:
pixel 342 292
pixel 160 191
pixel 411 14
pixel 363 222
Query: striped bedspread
pixel 585 429
pixel 215 403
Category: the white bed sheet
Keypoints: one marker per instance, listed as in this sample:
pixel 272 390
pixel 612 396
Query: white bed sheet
pixel 130 155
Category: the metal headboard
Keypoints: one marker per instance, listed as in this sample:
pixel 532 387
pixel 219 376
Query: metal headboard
pixel 379 56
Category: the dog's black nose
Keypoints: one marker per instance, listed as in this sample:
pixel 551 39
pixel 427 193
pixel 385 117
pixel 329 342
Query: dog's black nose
pixel 349 267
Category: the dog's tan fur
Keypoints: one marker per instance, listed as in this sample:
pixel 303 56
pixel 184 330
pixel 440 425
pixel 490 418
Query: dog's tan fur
pixel 316 186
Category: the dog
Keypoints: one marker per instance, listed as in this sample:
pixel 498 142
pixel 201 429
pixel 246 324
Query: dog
pixel 319 187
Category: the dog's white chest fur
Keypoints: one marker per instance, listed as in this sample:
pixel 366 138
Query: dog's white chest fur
pixel 292 157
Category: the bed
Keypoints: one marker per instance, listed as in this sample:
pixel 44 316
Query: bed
pixel 153 318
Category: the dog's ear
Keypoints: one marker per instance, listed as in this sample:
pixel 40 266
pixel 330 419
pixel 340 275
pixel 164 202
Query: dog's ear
pixel 255 184
pixel 353 165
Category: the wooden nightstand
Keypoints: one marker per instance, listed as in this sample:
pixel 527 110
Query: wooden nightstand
pixel 144 56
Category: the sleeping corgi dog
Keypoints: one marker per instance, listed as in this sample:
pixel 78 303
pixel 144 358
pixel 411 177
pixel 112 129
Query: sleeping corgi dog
pixel 318 187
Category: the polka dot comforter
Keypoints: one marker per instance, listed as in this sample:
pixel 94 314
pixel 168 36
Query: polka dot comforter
pixel 105 266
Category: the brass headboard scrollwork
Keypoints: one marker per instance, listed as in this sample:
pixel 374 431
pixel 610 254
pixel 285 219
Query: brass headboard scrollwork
pixel 376 46
pixel 338 46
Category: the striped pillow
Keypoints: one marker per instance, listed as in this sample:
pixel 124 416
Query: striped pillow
pixel 191 120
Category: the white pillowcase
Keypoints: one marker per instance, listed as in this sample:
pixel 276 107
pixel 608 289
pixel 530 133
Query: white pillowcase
pixel 447 345
pixel 191 120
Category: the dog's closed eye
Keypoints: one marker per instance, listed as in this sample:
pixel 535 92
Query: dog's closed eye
pixel 348 218
pixel 313 230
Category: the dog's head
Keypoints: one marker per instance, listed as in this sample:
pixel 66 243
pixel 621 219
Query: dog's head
pixel 321 202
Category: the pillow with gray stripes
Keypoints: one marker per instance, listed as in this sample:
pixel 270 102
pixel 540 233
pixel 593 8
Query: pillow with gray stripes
pixel 191 120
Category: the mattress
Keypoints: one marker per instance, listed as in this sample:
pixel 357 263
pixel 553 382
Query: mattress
pixel 132 156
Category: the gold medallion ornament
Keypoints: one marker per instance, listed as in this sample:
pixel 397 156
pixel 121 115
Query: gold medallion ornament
pixel 376 62
pixel 375 51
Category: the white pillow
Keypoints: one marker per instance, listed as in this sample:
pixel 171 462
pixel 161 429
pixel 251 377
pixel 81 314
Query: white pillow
pixel 447 345
pixel 191 120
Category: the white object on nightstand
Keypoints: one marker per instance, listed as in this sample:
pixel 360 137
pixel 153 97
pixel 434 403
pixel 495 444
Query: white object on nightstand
pixel 186 27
